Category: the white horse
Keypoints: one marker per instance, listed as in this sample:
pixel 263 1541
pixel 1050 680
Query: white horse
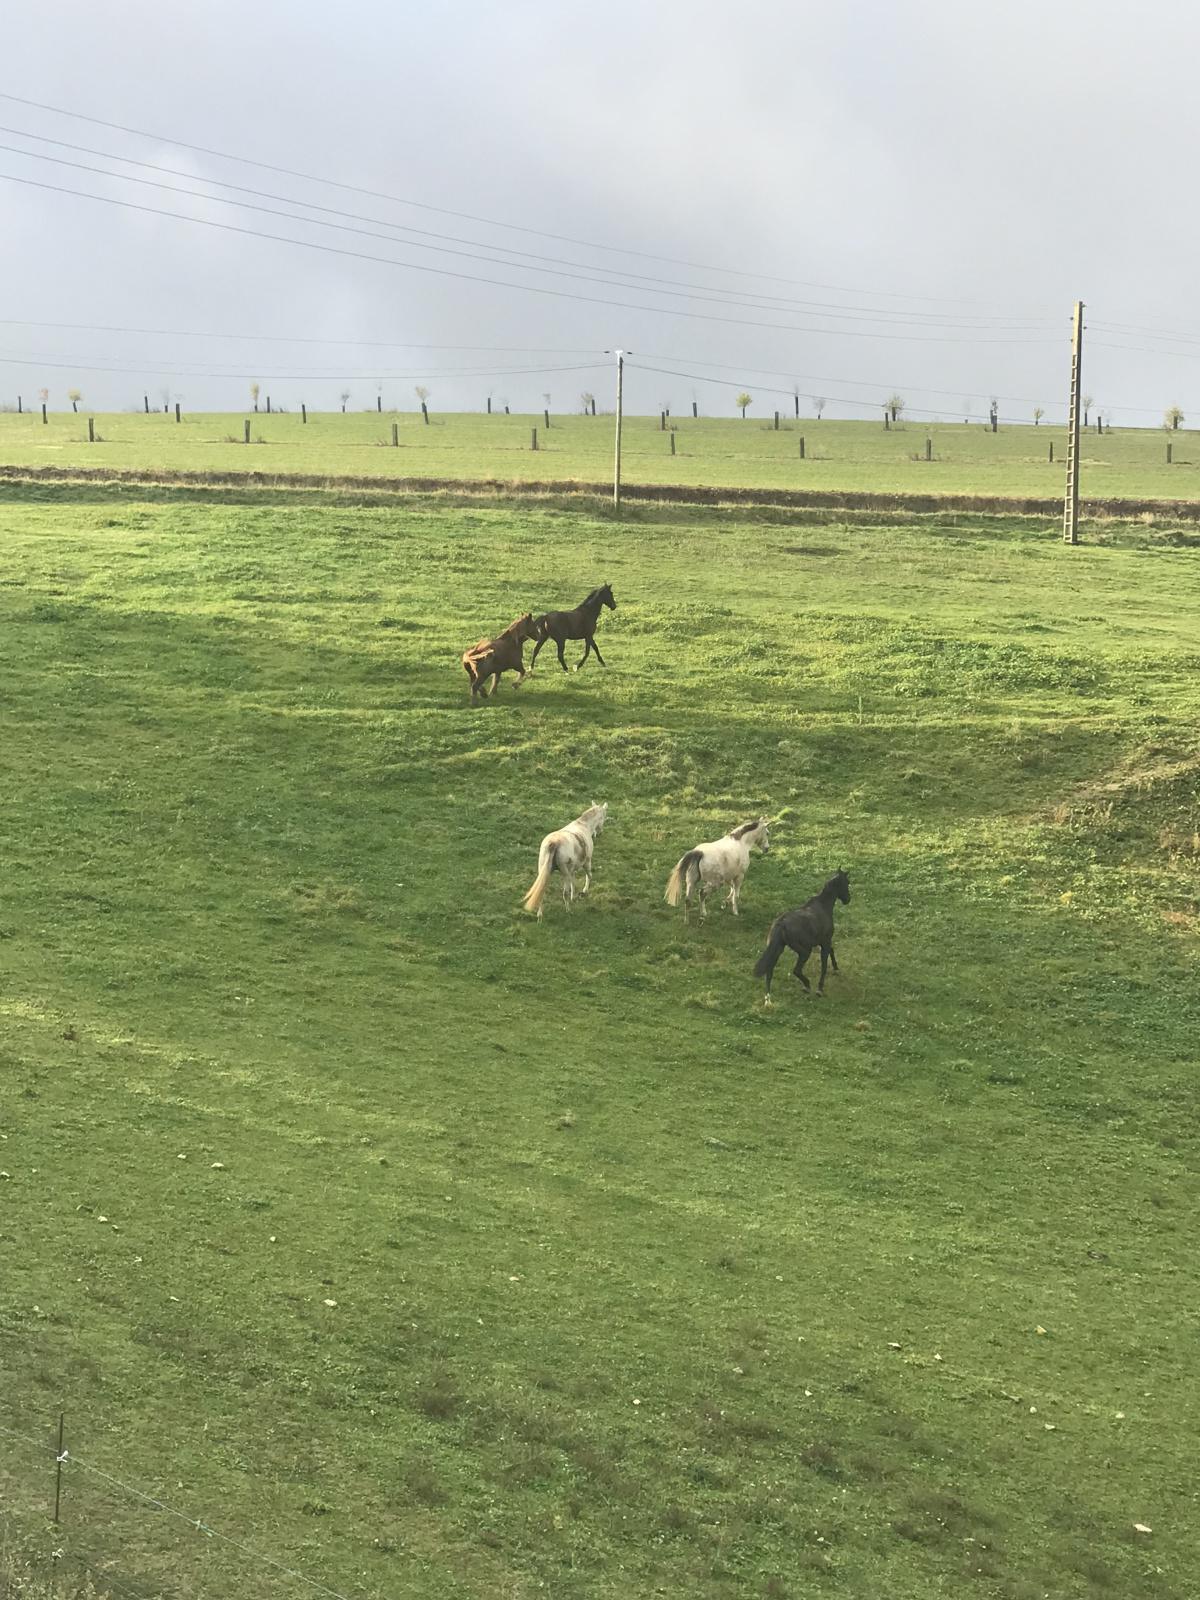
pixel 569 851
pixel 710 866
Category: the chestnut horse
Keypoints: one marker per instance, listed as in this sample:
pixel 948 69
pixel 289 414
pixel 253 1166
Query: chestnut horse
pixel 489 658
pixel 578 624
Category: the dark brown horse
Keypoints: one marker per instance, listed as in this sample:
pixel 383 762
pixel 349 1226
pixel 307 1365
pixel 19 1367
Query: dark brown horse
pixel 578 624
pixel 810 924
pixel 488 659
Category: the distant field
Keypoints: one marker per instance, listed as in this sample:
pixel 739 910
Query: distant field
pixel 449 1256
pixel 854 456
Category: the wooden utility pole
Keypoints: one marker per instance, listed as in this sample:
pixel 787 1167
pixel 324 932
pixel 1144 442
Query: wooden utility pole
pixel 620 355
pixel 1071 502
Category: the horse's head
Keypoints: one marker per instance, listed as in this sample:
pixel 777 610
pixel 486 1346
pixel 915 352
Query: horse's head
pixel 606 596
pixel 840 884
pixel 597 815
pixel 525 628
pixel 763 837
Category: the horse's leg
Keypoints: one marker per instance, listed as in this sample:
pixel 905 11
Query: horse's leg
pixel 596 652
pixel 832 957
pixel 561 658
pixel 735 889
pixel 494 683
pixel 802 956
pixel 824 968
pixel 587 649
pixel 536 648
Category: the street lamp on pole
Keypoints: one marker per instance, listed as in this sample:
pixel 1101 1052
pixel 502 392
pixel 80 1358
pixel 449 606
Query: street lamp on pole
pixel 620 355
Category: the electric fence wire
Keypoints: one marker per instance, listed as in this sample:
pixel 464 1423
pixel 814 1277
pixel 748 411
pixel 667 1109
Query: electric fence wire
pixel 197 1523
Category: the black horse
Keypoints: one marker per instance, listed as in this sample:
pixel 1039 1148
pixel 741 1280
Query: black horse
pixel 810 924
pixel 578 624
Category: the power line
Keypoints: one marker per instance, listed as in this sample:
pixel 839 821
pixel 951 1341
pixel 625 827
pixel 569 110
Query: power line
pixel 329 374
pixel 527 288
pixel 462 216
pixel 841 399
pixel 280 338
pixel 542 262
pixel 671 287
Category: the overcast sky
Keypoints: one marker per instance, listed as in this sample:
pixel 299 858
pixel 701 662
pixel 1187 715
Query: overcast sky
pixel 851 198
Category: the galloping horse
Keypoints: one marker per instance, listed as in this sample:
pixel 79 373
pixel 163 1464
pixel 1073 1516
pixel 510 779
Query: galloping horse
pixel 568 851
pixel 723 861
pixel 489 658
pixel 810 924
pixel 578 624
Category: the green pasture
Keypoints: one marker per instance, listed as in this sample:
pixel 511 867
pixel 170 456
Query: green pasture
pixel 436 1252
pixel 857 456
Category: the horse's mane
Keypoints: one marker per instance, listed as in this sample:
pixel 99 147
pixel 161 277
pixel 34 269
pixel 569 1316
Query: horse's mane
pixel 744 828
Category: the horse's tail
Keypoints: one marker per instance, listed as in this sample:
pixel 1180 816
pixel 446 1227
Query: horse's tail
pixel 776 944
pixel 677 882
pixel 547 858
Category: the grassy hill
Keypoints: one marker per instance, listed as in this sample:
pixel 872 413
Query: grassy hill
pixel 854 456
pixel 436 1251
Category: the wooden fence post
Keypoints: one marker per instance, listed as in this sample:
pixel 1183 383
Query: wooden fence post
pixel 19 407
pixel 1168 452
pixel 672 441
pixel 44 417
pixel 177 411
pixel 802 447
pixel 797 399
pixel 146 398
pixel 662 422
pixel 1052 452
pixel 929 449
pixel 378 404
pixel 489 409
pixel 777 422
pixel 546 419
pixel 425 412
pixel 246 432
pixel 268 405
pixel 91 430
pixel 533 444
pixel 303 412
pixel 695 409
pixel 395 433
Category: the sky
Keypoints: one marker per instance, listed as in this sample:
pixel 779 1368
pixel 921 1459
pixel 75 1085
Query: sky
pixel 836 201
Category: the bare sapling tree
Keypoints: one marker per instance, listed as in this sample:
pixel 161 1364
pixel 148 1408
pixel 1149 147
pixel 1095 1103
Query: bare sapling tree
pixel 895 406
pixel 1038 413
pixel 344 398
pixel 1173 418
pixel 255 391
pixel 422 394
pixel 742 401
pixel 819 403
pixel 587 400
pixel 74 396
pixel 1087 403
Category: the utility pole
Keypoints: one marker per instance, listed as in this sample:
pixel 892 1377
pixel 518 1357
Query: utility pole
pixel 620 355
pixel 1071 502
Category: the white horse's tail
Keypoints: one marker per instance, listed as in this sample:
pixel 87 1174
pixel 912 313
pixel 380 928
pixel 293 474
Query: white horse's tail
pixel 537 893
pixel 677 882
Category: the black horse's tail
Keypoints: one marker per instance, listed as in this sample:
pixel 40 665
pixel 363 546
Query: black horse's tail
pixel 776 944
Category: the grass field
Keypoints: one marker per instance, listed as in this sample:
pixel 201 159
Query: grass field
pixel 438 1252
pixel 857 456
